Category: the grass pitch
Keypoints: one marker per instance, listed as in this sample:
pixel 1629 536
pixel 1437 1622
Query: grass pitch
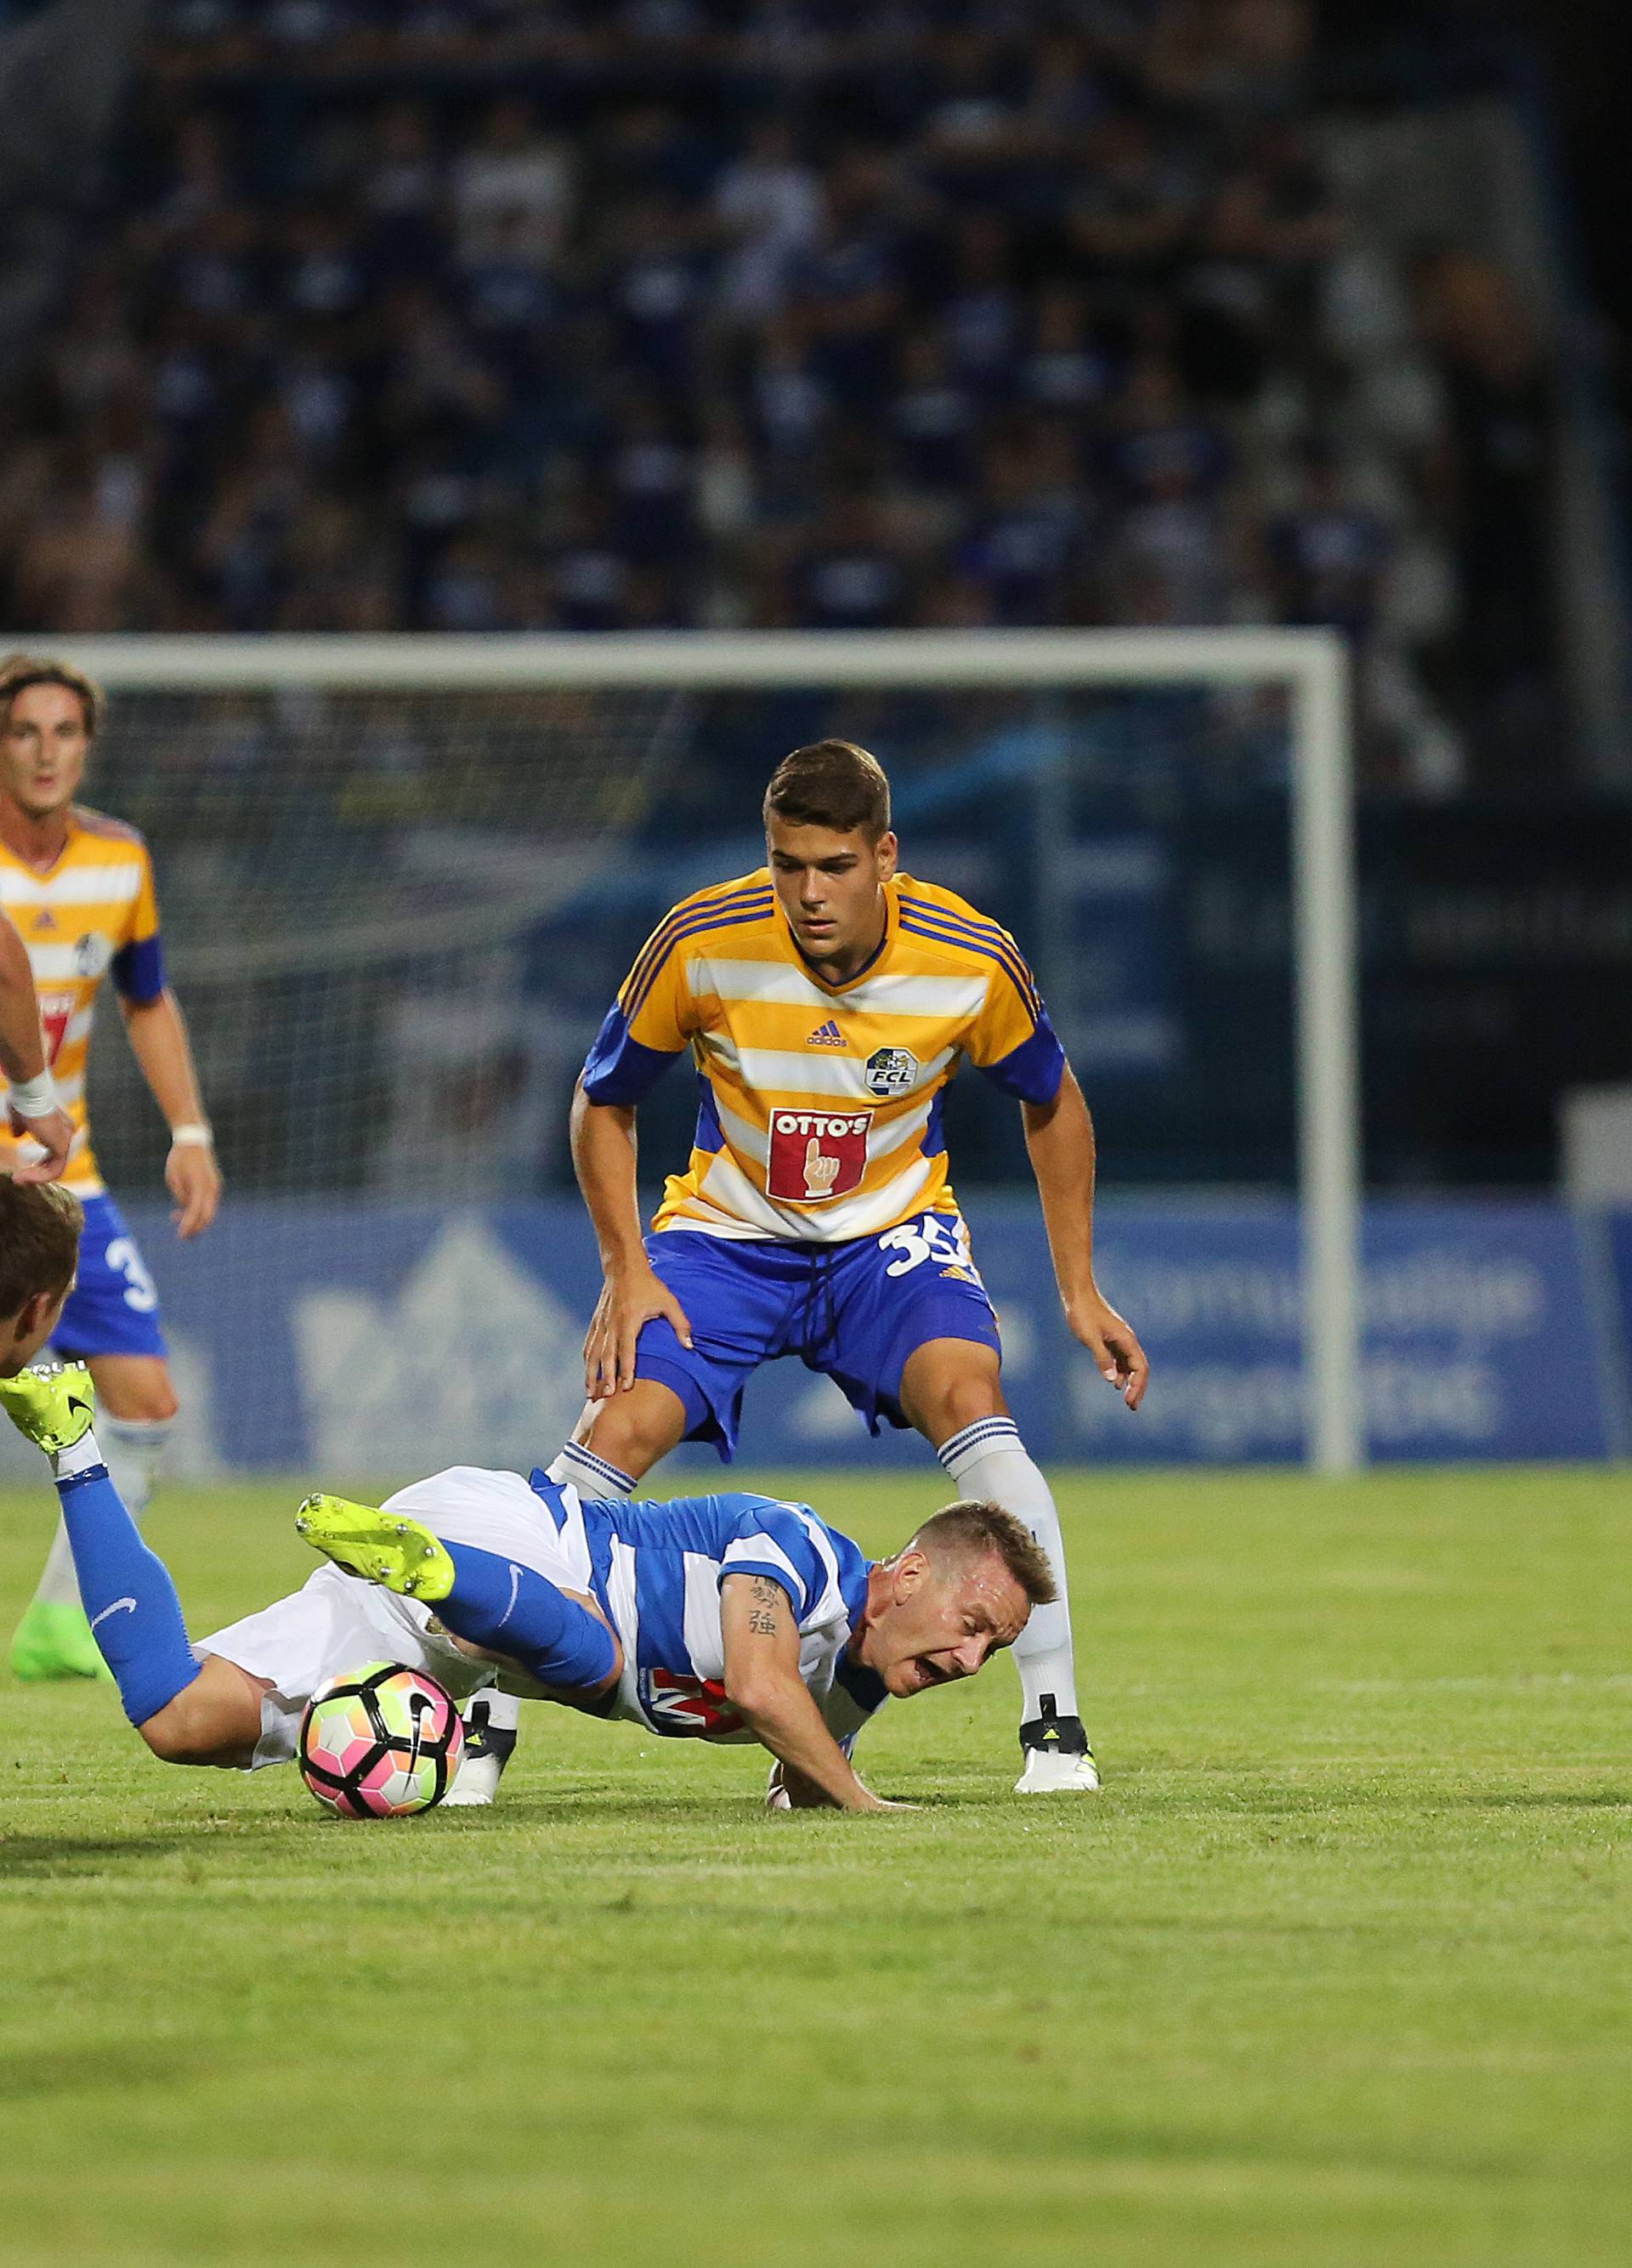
pixel 1334 1971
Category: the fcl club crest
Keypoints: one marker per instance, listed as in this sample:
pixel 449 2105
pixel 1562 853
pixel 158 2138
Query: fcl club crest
pixel 693 1707
pixel 891 1070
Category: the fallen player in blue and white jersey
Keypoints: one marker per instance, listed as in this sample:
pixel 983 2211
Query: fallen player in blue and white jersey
pixel 733 1617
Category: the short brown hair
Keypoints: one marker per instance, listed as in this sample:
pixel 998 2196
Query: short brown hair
pixel 831 784
pixel 971 1527
pixel 19 671
pixel 40 1225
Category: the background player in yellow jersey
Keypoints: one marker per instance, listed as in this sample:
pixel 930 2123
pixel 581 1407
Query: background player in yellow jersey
pixel 79 886
pixel 826 1000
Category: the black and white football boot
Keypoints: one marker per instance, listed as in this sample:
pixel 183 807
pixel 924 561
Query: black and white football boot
pixel 1058 1758
pixel 489 1747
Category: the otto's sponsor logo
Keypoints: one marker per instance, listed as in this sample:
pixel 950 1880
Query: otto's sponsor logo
pixel 826 1125
pixel 891 1070
pixel 816 1154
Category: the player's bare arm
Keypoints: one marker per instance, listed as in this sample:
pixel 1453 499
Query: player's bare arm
pixel 159 1041
pixel 22 1061
pixel 763 1685
pixel 1059 1137
pixel 603 1158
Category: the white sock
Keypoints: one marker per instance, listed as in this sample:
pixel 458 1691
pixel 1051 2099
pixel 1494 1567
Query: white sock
pixel 59 1585
pixel 131 1451
pixel 134 1448
pixel 598 1478
pixel 988 1462
pixel 600 1481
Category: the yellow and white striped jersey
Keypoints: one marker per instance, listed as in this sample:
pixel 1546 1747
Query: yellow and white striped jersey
pixel 819 1115
pixel 93 911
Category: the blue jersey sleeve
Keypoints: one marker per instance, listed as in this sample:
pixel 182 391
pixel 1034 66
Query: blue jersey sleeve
pixel 772 1541
pixel 138 971
pixel 620 1068
pixel 1031 1073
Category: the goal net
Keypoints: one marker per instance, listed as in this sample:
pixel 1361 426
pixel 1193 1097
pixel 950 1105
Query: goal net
pixel 401 878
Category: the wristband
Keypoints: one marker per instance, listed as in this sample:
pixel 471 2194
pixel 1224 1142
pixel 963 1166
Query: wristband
pixel 34 1098
pixel 192 1135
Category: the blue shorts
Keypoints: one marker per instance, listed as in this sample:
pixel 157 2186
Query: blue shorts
pixel 854 1311
pixel 113 1307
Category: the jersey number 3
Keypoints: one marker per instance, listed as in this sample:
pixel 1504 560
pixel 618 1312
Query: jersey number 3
pixel 940 1237
pixel 140 1292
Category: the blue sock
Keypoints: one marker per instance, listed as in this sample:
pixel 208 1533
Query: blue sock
pixel 136 1616
pixel 511 1609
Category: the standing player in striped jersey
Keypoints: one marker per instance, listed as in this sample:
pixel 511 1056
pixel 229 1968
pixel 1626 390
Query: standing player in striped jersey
pixel 826 1000
pixel 79 888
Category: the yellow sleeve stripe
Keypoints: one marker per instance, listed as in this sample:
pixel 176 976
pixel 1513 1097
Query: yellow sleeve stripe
pixel 935 923
pixel 689 920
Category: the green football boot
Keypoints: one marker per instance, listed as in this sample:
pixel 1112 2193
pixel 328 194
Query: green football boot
pixel 382 1547
pixel 52 1405
pixel 54 1641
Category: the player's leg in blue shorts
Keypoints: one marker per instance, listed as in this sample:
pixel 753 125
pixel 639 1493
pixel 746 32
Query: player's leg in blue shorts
pixel 878 1299
pixel 855 1311
pixel 747 1303
pixel 889 1296
pixel 113 1307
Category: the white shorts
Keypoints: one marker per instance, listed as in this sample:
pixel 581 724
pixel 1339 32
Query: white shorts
pixel 335 1622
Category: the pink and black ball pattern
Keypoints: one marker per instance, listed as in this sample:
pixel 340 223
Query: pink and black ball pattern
pixel 380 1743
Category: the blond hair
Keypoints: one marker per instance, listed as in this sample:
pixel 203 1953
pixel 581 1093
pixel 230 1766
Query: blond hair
pixel 967 1530
pixel 19 671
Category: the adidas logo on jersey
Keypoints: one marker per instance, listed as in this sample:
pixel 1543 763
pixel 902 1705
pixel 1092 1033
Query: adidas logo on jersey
pixel 44 921
pixel 826 1035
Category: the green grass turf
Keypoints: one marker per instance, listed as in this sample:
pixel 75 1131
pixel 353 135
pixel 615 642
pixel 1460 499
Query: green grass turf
pixel 1334 1971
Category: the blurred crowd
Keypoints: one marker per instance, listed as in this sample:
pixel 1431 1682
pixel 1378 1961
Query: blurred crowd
pixel 492 315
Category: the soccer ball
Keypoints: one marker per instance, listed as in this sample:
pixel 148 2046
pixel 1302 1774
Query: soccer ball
pixel 380 1743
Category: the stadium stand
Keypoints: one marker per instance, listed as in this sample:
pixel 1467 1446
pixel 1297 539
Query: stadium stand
pixel 469 315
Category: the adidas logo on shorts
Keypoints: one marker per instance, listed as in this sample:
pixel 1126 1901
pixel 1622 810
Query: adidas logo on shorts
pixel 826 1035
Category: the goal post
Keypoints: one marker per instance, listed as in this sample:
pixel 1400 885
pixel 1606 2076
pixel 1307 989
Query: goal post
pixel 1308 668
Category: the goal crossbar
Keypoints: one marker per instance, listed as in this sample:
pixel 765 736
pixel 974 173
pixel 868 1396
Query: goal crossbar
pixel 1311 665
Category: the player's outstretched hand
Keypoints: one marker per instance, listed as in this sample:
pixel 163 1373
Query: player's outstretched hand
pixel 788 1790
pixel 55 1133
pixel 193 1179
pixel 625 1304
pixel 1113 1343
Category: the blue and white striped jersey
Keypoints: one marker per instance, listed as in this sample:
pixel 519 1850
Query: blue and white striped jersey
pixel 656 1569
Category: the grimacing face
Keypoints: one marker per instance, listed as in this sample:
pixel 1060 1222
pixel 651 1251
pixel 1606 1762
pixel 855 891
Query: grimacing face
pixel 43 746
pixel 941 1620
pixel 23 1335
pixel 831 887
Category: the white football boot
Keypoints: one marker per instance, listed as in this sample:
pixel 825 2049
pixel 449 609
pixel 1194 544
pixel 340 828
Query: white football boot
pixel 489 1747
pixel 1058 1758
